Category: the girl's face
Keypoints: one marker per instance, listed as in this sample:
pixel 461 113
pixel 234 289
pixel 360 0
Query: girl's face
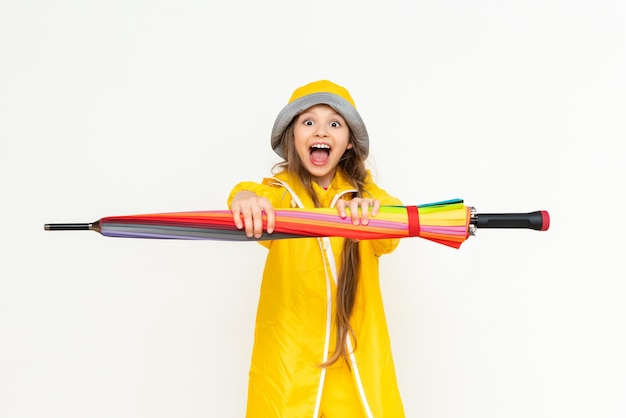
pixel 321 137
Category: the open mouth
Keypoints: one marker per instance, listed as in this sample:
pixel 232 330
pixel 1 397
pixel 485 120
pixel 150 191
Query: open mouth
pixel 320 152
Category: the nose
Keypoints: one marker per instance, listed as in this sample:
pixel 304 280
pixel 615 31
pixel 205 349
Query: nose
pixel 321 131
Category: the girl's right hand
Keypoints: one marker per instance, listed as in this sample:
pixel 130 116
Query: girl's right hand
pixel 250 206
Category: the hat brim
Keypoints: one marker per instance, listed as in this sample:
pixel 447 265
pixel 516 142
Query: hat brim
pixel 341 105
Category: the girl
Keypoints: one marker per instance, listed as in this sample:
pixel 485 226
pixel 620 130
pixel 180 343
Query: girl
pixel 321 344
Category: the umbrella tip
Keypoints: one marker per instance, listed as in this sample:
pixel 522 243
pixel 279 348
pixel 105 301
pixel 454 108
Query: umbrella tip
pixel 71 227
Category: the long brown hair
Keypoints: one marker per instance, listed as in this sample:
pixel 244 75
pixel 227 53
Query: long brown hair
pixel 352 164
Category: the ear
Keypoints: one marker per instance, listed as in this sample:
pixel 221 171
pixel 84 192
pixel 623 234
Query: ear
pixel 349 146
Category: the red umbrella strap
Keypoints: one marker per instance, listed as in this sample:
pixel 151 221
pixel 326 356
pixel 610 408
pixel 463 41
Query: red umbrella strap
pixel 414 221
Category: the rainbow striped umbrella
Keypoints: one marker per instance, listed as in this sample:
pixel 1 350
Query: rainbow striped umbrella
pixel 449 222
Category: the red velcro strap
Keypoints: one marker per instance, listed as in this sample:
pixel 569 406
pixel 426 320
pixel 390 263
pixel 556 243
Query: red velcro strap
pixel 414 221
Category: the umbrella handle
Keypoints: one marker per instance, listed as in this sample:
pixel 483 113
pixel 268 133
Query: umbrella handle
pixel 93 226
pixel 538 220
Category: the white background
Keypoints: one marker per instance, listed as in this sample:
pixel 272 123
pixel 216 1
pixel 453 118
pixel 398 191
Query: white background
pixel 124 107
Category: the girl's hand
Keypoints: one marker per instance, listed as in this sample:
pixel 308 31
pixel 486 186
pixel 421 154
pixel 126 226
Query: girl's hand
pixel 251 206
pixel 364 204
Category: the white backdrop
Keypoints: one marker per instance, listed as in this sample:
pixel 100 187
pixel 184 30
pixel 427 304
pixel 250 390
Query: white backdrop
pixel 123 107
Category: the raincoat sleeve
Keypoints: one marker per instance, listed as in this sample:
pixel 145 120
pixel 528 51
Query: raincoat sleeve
pixel 387 245
pixel 270 188
pixel 265 190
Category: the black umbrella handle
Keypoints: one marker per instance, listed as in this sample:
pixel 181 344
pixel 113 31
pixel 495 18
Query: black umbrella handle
pixel 93 226
pixel 538 220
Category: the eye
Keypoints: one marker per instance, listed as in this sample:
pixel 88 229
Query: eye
pixel 335 124
pixel 308 122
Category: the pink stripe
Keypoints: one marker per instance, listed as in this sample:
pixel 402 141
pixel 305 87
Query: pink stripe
pixel 336 220
pixel 460 230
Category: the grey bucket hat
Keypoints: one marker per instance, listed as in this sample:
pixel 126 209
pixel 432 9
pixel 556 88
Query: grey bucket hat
pixel 321 92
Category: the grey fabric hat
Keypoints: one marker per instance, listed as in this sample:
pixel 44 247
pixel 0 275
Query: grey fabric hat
pixel 321 92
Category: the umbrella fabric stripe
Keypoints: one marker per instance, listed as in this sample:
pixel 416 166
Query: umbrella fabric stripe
pixel 161 231
pixel 292 229
pixel 385 211
pixel 127 230
pixel 348 231
pixel 457 215
pixel 227 221
pixel 378 226
pixel 214 218
pixel 171 232
pixel 107 224
pixel 448 243
pixel 443 222
pixel 178 219
pixel 441 203
pixel 381 222
pixel 333 222
pixel 344 223
pixel 443 237
pixel 452 235
pixel 330 215
pixel 321 229
pixel 454 230
pixel 445 209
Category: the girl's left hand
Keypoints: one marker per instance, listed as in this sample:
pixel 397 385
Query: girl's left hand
pixel 358 217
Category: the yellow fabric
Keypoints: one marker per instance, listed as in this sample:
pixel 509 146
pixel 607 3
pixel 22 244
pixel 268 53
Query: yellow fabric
pixel 291 317
pixel 322 86
pixel 340 398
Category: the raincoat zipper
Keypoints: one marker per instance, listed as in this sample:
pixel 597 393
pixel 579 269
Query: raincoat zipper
pixel 326 248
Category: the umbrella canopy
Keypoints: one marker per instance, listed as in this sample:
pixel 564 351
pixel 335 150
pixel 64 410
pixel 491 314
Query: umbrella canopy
pixel 448 222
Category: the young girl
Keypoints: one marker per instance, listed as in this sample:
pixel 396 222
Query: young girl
pixel 321 344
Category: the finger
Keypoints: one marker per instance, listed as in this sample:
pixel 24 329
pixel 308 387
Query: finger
pixel 375 207
pixel 248 223
pixel 341 208
pixel 257 221
pixel 365 211
pixel 271 219
pixel 237 217
pixel 354 211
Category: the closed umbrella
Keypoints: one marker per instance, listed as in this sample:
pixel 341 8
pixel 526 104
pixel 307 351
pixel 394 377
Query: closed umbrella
pixel 448 222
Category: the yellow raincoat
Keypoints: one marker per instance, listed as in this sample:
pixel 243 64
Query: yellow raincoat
pixel 294 326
